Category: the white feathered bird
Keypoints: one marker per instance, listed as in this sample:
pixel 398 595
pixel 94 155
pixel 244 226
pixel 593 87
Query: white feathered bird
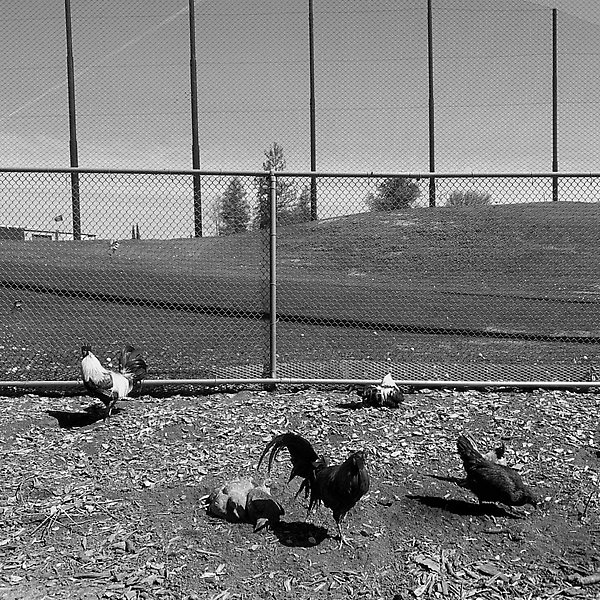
pixel 387 393
pixel 110 386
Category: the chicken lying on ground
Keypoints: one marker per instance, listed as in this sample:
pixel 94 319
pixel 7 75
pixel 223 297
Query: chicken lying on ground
pixel 241 500
pixel 229 500
pixel 492 482
pixel 338 487
pixel 110 386
pixel 387 393
pixel 262 509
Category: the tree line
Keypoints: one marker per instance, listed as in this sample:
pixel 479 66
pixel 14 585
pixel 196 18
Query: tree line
pixel 293 202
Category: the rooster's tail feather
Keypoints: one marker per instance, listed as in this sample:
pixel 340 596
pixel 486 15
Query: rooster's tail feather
pixel 132 363
pixel 302 455
pixel 467 451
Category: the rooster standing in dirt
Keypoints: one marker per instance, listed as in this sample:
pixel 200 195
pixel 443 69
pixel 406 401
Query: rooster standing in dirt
pixel 338 487
pixel 490 481
pixel 110 386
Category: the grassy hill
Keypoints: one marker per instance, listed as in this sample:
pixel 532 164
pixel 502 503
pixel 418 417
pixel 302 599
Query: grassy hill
pixel 522 271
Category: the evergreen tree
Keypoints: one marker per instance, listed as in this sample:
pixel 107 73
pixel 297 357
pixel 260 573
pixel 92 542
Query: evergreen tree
pixel 302 208
pixel 285 191
pixel 234 213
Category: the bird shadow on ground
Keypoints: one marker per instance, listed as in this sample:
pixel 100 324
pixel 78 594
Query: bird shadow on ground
pixel 299 534
pixel 351 405
pixel 462 507
pixel 71 420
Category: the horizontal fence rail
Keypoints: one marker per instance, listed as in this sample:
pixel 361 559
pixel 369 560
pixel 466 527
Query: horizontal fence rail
pixel 303 276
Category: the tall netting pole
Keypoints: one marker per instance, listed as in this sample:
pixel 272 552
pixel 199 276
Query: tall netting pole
pixel 195 140
pixel 313 136
pixel 554 109
pixel 76 208
pixel 431 104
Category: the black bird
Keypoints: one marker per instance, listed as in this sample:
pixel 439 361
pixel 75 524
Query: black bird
pixel 338 487
pixel 493 482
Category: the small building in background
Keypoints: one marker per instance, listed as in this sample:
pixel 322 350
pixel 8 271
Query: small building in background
pixel 24 234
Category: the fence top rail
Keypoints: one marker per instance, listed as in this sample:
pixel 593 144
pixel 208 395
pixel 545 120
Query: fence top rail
pixel 331 174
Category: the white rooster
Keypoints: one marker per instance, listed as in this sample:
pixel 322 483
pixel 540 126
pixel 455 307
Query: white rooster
pixel 111 386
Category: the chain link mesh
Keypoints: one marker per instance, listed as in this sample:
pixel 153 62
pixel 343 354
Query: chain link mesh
pixel 491 84
pixel 496 276
pixel 137 276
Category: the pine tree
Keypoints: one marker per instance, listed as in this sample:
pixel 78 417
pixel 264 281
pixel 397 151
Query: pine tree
pixel 302 208
pixel 234 214
pixel 285 191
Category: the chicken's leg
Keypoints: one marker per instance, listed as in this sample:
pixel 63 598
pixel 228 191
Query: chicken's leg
pixel 343 538
pixel 111 404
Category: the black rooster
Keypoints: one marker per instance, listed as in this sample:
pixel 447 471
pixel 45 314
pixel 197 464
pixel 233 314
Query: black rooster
pixel 490 481
pixel 111 386
pixel 338 487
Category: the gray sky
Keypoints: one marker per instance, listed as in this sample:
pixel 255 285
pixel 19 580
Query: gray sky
pixel 492 67
pixel 585 10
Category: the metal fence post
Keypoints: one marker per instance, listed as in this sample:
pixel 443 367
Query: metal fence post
pixel 273 274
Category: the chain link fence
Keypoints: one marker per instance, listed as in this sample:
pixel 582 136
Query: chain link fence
pixel 496 282
pixel 137 275
pixel 464 277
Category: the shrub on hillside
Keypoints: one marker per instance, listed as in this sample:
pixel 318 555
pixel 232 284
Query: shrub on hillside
pixel 469 198
pixel 394 193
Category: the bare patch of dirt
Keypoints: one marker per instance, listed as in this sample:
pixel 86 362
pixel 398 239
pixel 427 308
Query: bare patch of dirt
pixel 90 511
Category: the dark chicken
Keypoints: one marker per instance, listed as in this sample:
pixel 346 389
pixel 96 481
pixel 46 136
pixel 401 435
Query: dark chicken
pixel 490 481
pixel 110 386
pixel 495 455
pixel 262 509
pixel 338 487
pixel 387 393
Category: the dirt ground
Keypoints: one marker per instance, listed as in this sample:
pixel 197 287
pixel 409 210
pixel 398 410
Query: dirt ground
pixel 90 511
